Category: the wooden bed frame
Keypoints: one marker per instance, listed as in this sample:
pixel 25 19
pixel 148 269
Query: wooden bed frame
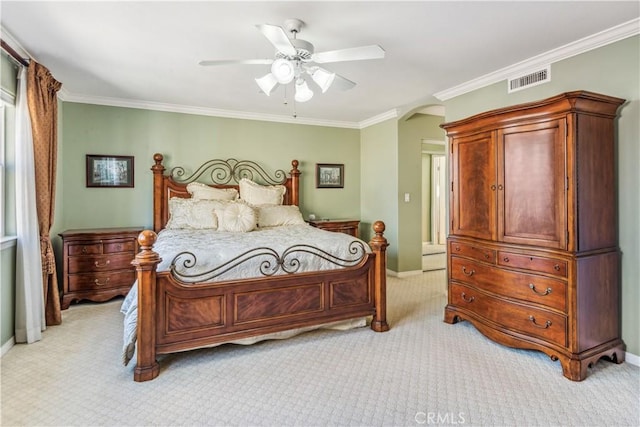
pixel 175 316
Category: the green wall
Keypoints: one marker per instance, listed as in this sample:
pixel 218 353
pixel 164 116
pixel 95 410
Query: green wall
pixel 611 70
pixel 7 293
pixel 379 185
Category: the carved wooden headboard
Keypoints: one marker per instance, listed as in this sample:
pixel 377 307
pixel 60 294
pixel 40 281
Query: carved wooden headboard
pixel 219 174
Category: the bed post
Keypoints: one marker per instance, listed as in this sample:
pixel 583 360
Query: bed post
pixel 295 183
pixel 158 193
pixel 379 246
pixel 146 261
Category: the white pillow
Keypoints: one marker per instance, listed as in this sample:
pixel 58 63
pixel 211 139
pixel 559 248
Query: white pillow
pixel 237 217
pixel 202 191
pixel 256 194
pixel 274 215
pixel 192 214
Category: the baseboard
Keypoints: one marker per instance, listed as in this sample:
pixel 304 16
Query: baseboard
pixel 631 358
pixel 10 343
pixel 403 273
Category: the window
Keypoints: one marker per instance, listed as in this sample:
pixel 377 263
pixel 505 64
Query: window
pixel 2 168
pixel 7 168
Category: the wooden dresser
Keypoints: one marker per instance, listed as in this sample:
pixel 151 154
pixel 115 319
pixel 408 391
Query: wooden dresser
pixel 347 226
pixel 533 254
pixel 97 263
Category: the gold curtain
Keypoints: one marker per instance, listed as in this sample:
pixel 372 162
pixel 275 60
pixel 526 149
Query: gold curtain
pixel 42 101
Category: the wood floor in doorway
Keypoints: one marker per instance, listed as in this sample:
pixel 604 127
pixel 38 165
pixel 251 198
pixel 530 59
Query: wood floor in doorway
pixel 434 257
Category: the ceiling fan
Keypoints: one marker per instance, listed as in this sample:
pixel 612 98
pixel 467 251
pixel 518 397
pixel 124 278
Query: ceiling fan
pixel 295 60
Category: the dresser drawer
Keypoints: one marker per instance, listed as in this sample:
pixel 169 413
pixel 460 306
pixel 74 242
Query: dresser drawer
pixel 527 287
pixel 85 249
pixel 553 266
pixel 546 325
pixel 100 263
pixel 96 281
pixel 472 251
pixel 111 247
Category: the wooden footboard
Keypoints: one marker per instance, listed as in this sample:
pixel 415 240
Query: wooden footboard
pixel 175 316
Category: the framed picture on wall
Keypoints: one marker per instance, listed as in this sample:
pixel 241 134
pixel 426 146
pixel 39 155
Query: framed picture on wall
pixel 329 175
pixel 109 171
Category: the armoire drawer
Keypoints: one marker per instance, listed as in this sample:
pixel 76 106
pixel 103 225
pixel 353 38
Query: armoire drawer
pixel 472 251
pixel 557 267
pixel 527 287
pixel 546 325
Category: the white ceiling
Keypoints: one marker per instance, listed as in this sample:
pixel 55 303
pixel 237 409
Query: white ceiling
pixel 145 54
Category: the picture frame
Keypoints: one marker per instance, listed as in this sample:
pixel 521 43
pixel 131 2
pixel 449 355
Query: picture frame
pixel 105 170
pixel 329 175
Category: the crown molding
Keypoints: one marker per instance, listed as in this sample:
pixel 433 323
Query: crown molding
pixel 15 45
pixel 66 96
pixel 594 41
pixel 391 114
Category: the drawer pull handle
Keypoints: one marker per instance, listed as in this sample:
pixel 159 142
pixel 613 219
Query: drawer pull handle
pixel 556 267
pixel 84 250
pixel 493 187
pixel 533 288
pixel 470 299
pixel 467 273
pixel 500 187
pixel 97 263
pixel 457 248
pixel 487 256
pixel 97 282
pixel 546 324
pixel 505 259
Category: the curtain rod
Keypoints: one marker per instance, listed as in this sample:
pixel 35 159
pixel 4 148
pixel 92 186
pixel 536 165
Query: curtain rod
pixel 13 53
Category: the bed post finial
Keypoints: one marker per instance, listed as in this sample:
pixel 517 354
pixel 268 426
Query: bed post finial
pixel 158 159
pixel 295 183
pixel 379 246
pixel 146 262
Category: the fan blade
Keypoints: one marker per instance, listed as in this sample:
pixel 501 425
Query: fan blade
pixel 237 61
pixel 351 54
pixel 278 37
pixel 342 83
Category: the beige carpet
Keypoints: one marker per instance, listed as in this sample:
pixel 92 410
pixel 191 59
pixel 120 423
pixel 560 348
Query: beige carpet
pixel 421 372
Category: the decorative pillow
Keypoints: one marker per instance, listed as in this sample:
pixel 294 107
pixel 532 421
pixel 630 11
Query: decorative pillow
pixel 274 215
pixel 202 191
pixel 192 214
pixel 256 194
pixel 237 217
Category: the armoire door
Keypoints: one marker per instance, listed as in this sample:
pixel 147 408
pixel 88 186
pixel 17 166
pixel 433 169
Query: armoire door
pixel 532 180
pixel 473 186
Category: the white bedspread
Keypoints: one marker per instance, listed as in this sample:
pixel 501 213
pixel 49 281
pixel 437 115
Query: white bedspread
pixel 213 249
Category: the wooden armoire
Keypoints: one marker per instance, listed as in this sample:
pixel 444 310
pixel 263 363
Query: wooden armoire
pixel 533 257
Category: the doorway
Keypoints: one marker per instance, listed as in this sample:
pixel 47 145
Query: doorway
pixel 438 206
pixel 434 206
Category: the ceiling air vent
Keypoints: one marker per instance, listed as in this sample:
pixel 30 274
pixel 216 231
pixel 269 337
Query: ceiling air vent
pixel 535 78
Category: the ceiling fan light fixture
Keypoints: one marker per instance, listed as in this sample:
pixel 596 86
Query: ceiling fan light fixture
pixel 323 78
pixel 303 93
pixel 283 70
pixel 267 83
